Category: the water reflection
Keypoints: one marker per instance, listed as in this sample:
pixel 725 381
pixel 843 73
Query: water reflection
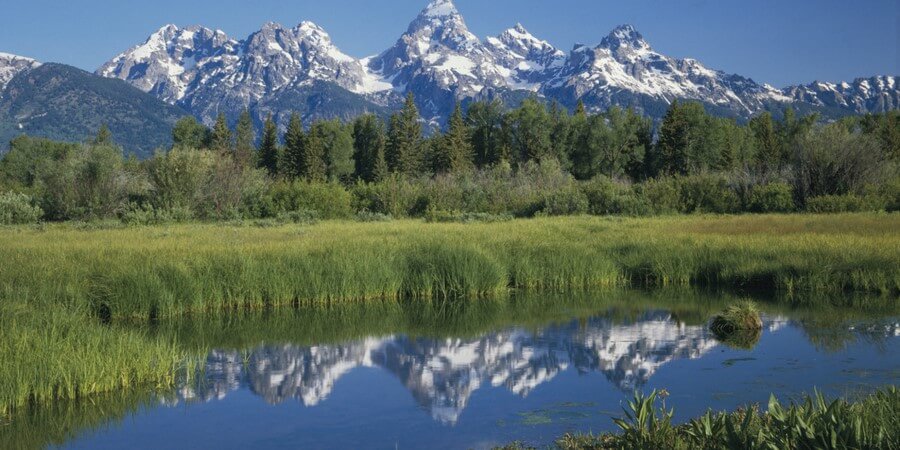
pixel 442 374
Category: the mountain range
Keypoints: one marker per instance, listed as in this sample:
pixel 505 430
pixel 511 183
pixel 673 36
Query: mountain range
pixel 277 70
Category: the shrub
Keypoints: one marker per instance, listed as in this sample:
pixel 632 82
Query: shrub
pixel 329 200
pixel 606 197
pixel 831 204
pixel 659 196
pixel 707 194
pixel 18 209
pixel 146 214
pixel 396 195
pixel 771 198
pixel 833 161
pixel 567 201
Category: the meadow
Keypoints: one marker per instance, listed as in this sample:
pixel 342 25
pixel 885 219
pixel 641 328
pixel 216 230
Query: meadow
pixel 73 298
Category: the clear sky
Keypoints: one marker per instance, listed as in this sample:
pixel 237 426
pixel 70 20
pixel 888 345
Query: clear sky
pixel 779 42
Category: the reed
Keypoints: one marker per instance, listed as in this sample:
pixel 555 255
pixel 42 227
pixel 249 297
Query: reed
pixel 171 271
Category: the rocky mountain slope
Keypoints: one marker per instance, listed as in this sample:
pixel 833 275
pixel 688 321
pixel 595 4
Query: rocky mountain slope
pixel 62 102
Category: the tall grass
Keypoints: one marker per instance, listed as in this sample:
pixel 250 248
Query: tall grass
pixel 169 271
pixel 815 423
pixel 51 354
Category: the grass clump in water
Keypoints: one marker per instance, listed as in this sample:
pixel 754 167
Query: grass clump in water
pixel 743 316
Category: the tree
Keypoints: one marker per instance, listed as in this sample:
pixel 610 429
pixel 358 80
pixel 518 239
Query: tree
pixel 680 148
pixel 528 131
pixel 560 134
pixel 337 143
pixel 486 120
pixel 103 137
pixel 405 152
pixel 268 148
pixel 454 151
pixel 222 139
pixel 368 148
pixel 313 165
pixel 294 160
pixel 189 133
pixel 769 151
pixel 245 135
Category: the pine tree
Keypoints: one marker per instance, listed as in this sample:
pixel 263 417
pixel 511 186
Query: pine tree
pixel 486 122
pixel 368 145
pixel 681 148
pixel 222 139
pixel 103 137
pixel 293 164
pixel 454 150
pixel 245 135
pixel 268 148
pixel 405 152
pixel 314 166
pixel 768 144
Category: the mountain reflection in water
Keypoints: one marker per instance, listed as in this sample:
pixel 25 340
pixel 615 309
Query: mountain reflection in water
pixel 442 374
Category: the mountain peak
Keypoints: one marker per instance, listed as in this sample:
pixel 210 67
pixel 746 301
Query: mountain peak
pixel 624 36
pixel 439 8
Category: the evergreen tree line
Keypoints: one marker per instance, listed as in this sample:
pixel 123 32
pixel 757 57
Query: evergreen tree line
pixel 534 159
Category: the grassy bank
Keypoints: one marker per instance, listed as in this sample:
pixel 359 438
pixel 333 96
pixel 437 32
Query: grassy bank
pixel 870 423
pixel 168 271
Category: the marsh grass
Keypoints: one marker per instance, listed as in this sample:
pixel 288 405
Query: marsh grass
pixel 170 271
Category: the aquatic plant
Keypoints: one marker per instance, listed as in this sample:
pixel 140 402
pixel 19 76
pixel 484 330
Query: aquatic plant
pixel 870 423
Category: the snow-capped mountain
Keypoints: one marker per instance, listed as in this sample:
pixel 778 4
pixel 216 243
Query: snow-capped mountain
pixel 440 60
pixel 12 65
pixel 624 69
pixel 530 60
pixel 277 70
pixel 864 95
pixel 206 72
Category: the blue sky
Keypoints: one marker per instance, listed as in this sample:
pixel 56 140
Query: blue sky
pixel 779 42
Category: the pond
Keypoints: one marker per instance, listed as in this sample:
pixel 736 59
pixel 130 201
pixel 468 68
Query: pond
pixel 480 375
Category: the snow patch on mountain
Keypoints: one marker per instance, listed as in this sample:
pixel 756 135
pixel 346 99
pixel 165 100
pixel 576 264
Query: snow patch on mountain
pixel 12 65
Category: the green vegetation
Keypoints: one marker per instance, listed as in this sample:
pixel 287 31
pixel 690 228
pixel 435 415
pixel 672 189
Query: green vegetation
pixel 739 317
pixel 128 273
pixel 527 162
pixel 870 423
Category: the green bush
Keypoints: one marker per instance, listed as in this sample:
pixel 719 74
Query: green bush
pixel 567 201
pixel 707 194
pixel 771 198
pixel 329 200
pixel 659 196
pixel 396 196
pixel 831 204
pixel 606 197
pixel 146 214
pixel 18 209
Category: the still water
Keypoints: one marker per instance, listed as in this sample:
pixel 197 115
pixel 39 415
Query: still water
pixel 384 387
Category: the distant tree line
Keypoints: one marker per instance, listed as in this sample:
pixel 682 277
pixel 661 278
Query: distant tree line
pixel 534 159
